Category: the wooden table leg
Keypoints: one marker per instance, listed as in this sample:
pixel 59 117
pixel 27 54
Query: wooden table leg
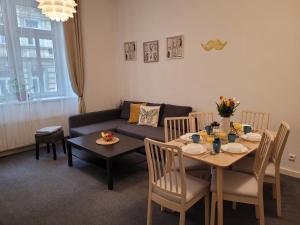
pixel 69 149
pixel 64 145
pixel 37 151
pixel 48 148
pixel 220 194
pixel 110 183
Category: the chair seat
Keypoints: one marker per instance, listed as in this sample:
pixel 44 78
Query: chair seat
pixel 237 183
pixel 191 164
pixel 246 165
pixel 194 187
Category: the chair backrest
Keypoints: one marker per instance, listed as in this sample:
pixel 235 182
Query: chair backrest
pixel 279 143
pixel 258 120
pixel 262 155
pixel 161 159
pixel 177 126
pixel 201 119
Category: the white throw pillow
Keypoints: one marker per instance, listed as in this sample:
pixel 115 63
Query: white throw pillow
pixel 149 115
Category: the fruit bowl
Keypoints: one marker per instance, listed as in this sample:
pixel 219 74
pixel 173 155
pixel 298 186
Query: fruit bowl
pixel 107 136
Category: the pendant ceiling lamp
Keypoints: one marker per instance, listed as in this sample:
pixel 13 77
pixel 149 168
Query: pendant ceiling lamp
pixel 59 10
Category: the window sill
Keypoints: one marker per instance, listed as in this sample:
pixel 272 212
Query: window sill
pixel 50 99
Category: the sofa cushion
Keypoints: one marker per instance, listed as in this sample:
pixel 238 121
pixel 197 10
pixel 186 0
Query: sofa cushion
pixel 174 111
pixel 135 112
pixel 141 132
pixel 96 127
pixel 125 109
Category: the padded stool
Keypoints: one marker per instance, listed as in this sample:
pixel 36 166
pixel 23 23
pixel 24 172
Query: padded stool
pixel 49 138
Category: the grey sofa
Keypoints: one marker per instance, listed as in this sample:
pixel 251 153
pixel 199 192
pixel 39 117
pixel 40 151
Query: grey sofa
pixel 116 120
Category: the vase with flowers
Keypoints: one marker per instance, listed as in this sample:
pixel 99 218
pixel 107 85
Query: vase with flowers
pixel 226 108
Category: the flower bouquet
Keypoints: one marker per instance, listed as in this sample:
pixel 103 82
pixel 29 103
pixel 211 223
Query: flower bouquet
pixel 226 108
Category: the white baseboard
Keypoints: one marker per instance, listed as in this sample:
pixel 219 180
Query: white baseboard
pixel 289 172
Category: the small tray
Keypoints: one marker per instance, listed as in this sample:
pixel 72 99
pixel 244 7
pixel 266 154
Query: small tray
pixel 101 141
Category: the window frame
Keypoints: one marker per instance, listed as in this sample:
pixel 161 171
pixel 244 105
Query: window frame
pixel 12 33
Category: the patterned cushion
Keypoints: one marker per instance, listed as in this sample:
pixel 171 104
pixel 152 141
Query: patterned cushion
pixel 149 115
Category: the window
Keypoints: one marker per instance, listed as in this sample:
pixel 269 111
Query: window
pixel 32 58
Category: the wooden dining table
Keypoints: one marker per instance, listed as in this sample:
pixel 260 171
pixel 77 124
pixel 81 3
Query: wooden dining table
pixel 220 161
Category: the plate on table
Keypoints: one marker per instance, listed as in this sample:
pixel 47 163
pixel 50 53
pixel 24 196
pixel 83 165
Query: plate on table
pixel 193 149
pixel 251 137
pixel 101 141
pixel 188 136
pixel 235 148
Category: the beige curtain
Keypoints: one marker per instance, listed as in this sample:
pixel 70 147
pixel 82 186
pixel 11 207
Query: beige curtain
pixel 74 49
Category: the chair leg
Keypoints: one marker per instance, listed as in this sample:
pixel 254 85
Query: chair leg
pixel 54 151
pixel 149 212
pixel 213 208
pixel 48 148
pixel 162 209
pixel 256 211
pixel 37 151
pixel 261 210
pixel 278 196
pixel 206 209
pixel 64 145
pixel 182 218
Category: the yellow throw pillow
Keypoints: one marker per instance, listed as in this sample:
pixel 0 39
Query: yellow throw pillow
pixel 134 112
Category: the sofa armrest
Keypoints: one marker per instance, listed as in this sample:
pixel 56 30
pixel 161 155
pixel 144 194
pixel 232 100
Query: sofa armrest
pixel 93 117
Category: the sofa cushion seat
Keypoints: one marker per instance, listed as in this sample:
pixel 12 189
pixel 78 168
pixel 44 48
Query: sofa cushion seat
pixel 96 127
pixel 141 132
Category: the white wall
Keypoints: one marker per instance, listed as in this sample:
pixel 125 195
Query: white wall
pixel 260 64
pixel 98 25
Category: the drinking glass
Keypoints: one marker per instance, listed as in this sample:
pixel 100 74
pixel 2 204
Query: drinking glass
pixel 210 139
pixel 203 135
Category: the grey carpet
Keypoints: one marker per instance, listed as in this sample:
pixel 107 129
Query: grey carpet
pixel 48 192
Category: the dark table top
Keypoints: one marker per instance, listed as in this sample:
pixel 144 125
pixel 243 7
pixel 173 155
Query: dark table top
pixel 125 145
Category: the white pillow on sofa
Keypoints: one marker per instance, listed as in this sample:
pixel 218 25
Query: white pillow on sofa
pixel 149 115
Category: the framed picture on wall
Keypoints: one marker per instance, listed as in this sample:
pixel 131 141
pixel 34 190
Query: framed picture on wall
pixel 151 51
pixel 175 47
pixel 130 50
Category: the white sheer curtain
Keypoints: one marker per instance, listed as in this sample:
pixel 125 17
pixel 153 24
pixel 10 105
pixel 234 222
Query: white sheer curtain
pixel 35 89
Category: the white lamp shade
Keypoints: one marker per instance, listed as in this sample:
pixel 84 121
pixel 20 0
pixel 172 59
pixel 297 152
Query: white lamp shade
pixel 59 10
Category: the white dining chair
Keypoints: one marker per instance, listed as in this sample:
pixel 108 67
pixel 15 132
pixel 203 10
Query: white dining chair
pixel 258 120
pixel 172 188
pixel 273 167
pixel 201 119
pixel 174 128
pixel 243 187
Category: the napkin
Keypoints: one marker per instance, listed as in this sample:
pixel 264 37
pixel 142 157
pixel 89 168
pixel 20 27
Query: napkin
pixel 234 148
pixel 252 136
pixel 193 148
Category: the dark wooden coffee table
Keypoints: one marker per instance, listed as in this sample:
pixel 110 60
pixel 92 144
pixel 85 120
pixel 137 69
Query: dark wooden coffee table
pixel 107 152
